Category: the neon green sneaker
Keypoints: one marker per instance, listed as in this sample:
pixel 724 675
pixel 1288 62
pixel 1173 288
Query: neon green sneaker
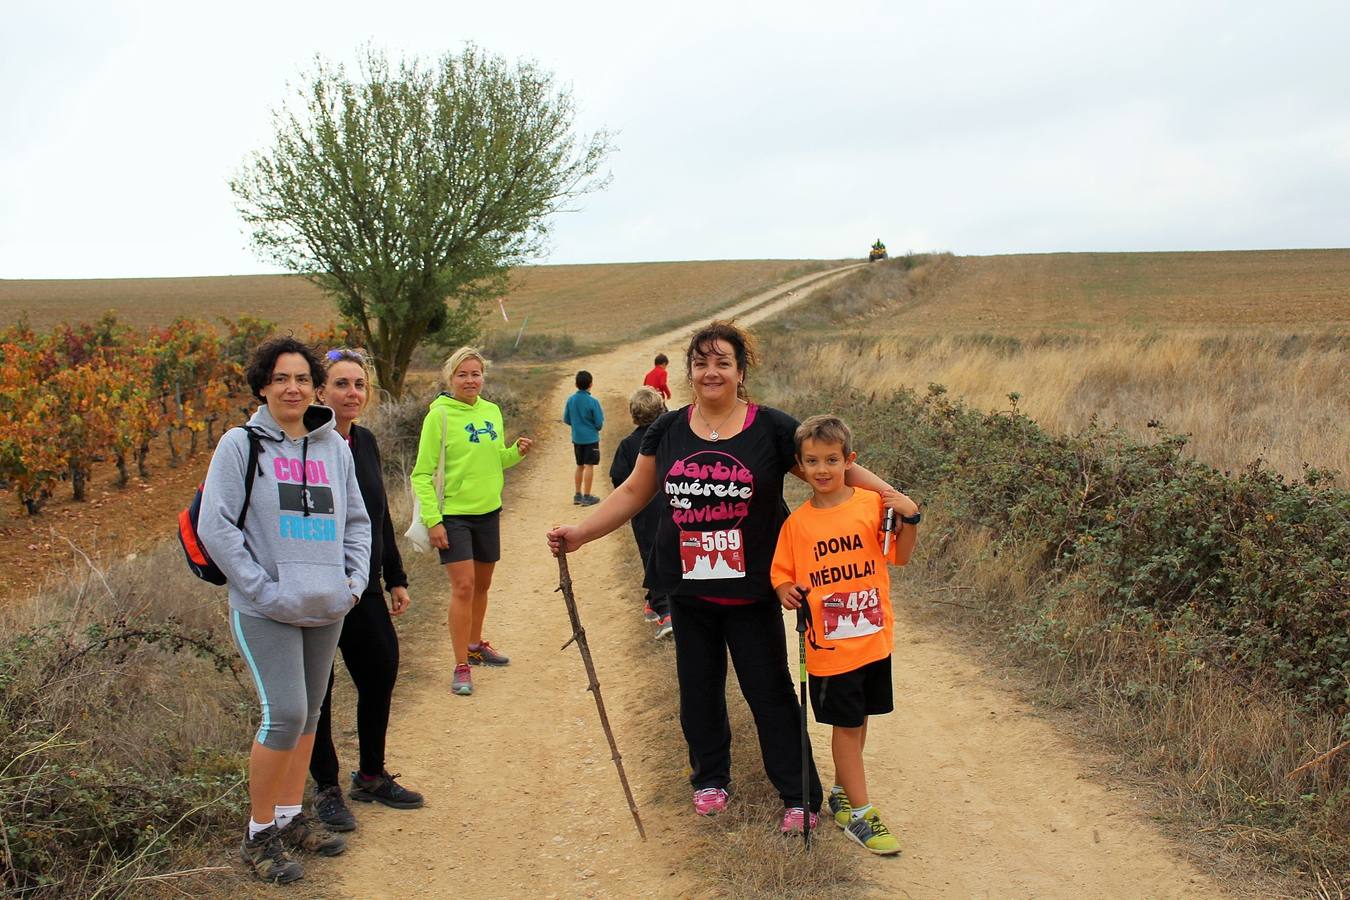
pixel 872 835
pixel 840 808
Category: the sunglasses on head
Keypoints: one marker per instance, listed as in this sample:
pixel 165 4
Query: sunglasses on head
pixel 342 353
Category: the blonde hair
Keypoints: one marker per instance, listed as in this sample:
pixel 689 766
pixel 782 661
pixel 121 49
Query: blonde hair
pixel 824 429
pixel 457 359
pixel 645 406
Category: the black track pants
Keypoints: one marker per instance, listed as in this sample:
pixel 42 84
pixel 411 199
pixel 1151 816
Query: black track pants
pixel 369 647
pixel 753 634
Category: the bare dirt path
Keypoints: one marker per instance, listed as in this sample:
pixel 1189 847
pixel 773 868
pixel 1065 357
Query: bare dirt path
pixel 523 798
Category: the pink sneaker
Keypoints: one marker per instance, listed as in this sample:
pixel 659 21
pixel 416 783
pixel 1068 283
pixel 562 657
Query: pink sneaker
pixel 462 681
pixel 792 820
pixel 710 801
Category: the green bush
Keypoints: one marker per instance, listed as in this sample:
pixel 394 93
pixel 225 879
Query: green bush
pixel 1249 571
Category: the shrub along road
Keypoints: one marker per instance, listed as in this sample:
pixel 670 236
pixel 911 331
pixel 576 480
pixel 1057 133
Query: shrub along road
pixel 987 799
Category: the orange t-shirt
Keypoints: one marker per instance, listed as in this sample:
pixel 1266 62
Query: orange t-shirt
pixel 836 553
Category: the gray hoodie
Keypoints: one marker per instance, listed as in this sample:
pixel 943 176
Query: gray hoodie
pixel 303 555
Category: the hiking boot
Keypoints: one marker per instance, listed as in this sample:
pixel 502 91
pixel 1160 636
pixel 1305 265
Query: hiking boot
pixel 482 654
pixel 384 789
pixel 332 809
pixel 665 629
pixel 869 832
pixel 649 614
pixel 306 833
pixel 792 820
pixel 267 859
pixel 840 808
pixel 589 499
pixel 710 801
pixel 462 682
pixel 576 499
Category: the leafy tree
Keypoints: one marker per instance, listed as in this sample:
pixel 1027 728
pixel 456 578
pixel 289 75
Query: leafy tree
pixel 408 192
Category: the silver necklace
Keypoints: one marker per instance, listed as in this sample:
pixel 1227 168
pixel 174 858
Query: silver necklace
pixel 712 432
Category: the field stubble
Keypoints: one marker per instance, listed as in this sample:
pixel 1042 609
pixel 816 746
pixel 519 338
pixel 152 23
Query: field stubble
pixel 593 304
pixel 1255 372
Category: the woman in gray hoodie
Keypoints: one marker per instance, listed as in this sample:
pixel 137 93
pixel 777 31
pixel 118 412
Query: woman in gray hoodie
pixel 296 564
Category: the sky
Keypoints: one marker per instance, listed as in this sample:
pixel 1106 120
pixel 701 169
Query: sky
pixel 742 130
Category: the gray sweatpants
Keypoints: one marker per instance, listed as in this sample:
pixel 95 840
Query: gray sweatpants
pixel 290 665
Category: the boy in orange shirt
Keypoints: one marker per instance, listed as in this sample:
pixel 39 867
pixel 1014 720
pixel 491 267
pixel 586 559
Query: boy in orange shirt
pixel 830 552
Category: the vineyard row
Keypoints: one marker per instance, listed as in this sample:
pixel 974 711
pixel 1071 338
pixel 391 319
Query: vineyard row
pixel 99 391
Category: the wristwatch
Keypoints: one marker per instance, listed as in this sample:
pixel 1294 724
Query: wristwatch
pixel 912 520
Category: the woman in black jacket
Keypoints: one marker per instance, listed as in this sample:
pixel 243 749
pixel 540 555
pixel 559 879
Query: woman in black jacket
pixel 369 643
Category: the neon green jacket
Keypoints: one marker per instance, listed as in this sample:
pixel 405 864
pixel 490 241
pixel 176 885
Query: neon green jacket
pixel 475 457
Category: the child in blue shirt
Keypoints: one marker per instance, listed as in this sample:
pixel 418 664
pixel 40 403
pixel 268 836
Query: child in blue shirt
pixel 584 414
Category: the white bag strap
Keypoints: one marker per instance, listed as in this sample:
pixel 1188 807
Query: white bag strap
pixel 440 466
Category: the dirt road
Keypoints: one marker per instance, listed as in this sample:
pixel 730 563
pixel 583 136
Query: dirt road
pixel 523 798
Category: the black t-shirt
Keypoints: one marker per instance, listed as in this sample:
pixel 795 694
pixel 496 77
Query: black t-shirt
pixel 723 505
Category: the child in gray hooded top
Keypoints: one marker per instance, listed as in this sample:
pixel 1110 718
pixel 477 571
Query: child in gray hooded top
pixel 295 568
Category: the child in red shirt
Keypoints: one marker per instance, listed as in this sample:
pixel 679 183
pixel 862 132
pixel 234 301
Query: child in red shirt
pixel 830 552
pixel 656 378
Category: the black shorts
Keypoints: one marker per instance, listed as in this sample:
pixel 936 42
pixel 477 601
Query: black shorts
pixel 478 538
pixel 847 699
pixel 587 454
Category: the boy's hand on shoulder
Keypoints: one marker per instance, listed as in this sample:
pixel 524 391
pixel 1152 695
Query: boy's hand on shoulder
pixel 900 502
pixel 790 595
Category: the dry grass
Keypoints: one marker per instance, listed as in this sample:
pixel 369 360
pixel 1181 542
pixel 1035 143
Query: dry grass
pixel 128 668
pixel 1279 396
pixel 1300 289
pixel 1250 366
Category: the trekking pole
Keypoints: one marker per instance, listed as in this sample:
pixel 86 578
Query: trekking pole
pixel 579 635
pixel 888 528
pixel 803 616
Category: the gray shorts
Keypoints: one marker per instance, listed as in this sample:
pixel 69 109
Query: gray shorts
pixel 477 537
pixel 290 666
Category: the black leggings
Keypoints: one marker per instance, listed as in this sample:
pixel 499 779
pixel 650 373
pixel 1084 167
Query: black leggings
pixel 704 632
pixel 369 647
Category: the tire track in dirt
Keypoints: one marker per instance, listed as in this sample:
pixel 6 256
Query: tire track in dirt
pixel 522 795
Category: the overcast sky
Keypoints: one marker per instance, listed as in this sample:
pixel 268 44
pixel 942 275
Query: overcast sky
pixel 744 130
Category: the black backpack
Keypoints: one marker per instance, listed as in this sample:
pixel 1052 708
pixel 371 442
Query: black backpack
pixel 198 560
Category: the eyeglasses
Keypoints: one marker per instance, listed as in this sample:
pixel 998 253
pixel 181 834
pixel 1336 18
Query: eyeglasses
pixel 343 353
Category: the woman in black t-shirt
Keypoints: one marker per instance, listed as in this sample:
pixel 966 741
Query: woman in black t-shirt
pixel 720 463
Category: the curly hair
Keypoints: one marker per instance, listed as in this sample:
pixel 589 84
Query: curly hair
pixel 740 341
pixel 264 360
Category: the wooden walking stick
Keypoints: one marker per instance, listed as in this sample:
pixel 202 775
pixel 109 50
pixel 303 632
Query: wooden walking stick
pixel 579 635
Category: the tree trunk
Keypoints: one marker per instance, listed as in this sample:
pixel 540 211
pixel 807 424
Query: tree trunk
pixel 173 451
pixel 192 442
pixel 79 475
pixel 122 476
pixel 33 504
pixel 141 455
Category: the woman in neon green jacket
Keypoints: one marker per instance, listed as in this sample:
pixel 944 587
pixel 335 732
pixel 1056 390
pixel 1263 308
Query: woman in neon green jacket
pixel 465 527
